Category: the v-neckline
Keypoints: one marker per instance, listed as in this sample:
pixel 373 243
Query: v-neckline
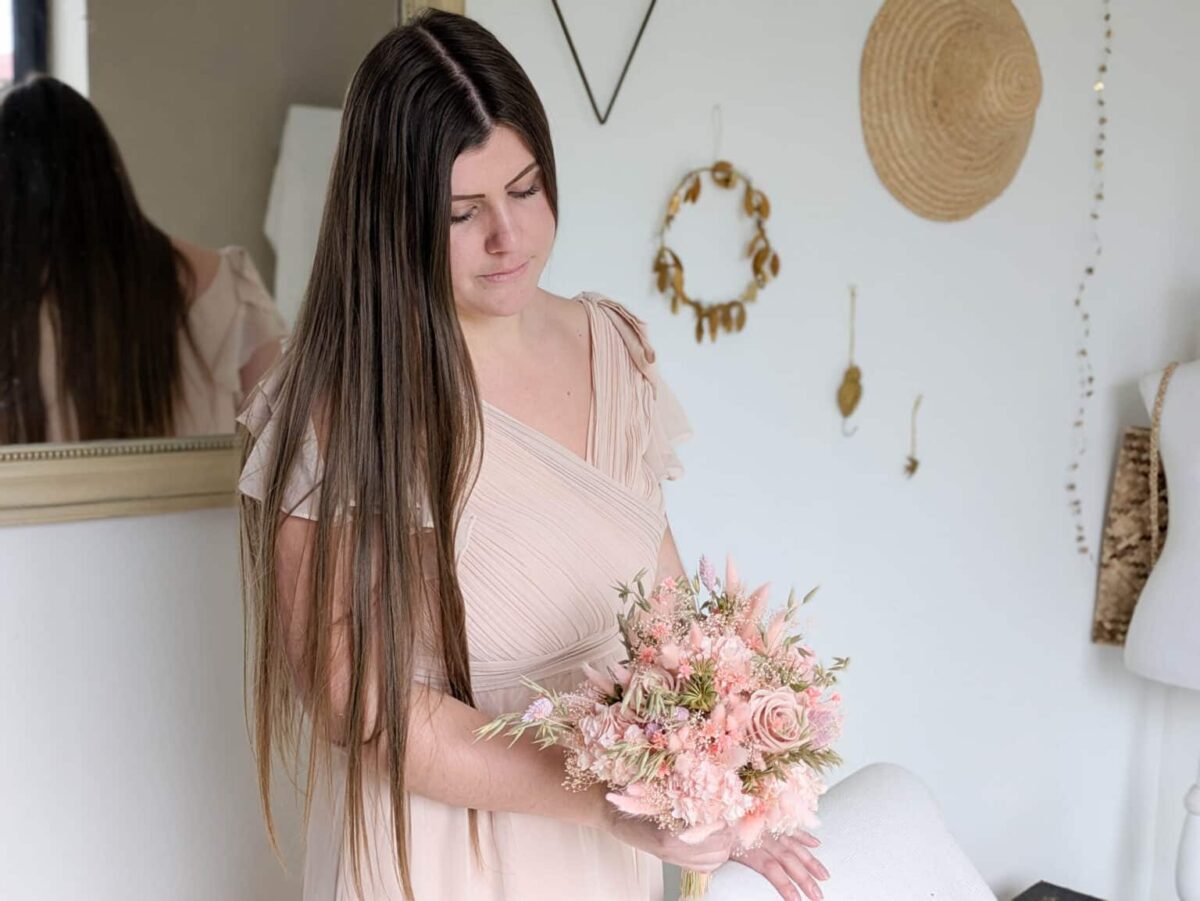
pixel 588 458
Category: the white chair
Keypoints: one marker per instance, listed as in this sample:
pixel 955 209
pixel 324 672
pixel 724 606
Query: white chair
pixel 882 839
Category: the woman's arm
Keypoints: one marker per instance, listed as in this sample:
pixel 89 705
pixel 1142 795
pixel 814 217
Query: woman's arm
pixel 443 760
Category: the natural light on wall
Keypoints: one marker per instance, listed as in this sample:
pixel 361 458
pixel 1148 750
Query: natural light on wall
pixel 6 42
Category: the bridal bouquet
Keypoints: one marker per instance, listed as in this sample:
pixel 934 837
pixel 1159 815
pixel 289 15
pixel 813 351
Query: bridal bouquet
pixel 719 717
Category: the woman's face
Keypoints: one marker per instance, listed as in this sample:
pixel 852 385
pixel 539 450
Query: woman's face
pixel 500 221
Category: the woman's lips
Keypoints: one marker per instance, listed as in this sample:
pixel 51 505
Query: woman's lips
pixel 506 276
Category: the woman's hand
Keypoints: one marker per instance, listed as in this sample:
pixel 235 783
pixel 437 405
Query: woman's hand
pixel 786 862
pixel 644 834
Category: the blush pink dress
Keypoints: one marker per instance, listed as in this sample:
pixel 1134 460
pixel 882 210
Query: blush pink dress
pixel 544 536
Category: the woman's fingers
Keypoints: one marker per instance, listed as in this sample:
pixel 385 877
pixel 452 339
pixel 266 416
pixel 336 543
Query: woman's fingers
pixel 806 856
pixel 803 869
pixel 762 861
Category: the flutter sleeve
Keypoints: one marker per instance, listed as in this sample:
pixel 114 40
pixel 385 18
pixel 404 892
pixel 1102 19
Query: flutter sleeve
pixel 242 318
pixel 302 492
pixel 666 423
pixel 669 426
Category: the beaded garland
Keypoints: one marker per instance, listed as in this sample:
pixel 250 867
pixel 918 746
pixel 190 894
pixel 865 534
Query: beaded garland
pixel 1082 357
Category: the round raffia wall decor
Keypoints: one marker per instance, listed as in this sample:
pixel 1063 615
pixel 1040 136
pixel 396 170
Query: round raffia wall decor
pixel 727 315
pixel 949 90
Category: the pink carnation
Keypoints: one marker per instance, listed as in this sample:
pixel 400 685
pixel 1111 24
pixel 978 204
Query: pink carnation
pixel 704 792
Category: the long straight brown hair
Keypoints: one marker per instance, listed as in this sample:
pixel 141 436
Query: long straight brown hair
pixel 378 358
pixel 74 240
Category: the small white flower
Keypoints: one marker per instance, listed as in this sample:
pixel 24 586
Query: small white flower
pixel 538 710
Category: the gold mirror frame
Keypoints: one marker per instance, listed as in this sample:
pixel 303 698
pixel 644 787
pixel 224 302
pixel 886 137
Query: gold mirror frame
pixel 41 483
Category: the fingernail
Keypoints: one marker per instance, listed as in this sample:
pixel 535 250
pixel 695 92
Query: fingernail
pixel 817 889
pixel 823 873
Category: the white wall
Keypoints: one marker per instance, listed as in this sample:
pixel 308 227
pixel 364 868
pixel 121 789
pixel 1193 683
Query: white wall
pixel 69 43
pixel 958 594
pixel 125 769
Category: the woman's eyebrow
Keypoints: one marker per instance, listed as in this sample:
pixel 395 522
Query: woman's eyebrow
pixel 517 177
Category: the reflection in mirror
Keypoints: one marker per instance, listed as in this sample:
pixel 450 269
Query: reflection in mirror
pixel 113 328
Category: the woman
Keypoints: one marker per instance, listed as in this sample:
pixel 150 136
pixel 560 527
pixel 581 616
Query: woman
pixel 509 446
pixel 111 328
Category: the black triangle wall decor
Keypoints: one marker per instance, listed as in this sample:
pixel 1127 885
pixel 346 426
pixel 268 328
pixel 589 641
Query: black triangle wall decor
pixel 578 65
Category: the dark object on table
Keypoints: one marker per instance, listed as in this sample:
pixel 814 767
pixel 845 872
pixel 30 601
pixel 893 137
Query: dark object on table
pixel 1044 891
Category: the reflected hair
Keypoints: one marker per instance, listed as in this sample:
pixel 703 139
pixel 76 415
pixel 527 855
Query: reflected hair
pixel 378 366
pixel 77 253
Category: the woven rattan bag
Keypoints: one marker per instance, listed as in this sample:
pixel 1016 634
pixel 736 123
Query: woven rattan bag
pixel 1134 527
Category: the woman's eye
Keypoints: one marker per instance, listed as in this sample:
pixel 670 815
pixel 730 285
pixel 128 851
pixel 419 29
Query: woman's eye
pixel 466 217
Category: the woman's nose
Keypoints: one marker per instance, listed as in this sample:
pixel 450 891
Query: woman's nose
pixel 503 234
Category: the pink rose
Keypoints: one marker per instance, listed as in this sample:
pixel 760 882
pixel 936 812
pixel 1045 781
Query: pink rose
pixel 777 723
pixel 603 728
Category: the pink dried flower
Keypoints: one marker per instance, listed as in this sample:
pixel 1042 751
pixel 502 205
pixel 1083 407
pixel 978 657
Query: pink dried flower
pixel 732 583
pixel 669 656
pixel 604 728
pixel 775 631
pixel 538 710
pixel 708 574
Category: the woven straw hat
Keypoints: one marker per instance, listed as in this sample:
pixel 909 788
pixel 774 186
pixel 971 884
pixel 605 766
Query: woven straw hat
pixel 949 92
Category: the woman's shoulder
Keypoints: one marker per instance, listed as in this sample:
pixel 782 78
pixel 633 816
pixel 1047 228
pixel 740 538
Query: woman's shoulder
pixel 634 331
pixel 204 262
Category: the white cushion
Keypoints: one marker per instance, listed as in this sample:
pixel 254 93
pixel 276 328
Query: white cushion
pixel 882 839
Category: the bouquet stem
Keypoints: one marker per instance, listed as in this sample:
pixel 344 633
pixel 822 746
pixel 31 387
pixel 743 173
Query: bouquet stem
pixel 694 885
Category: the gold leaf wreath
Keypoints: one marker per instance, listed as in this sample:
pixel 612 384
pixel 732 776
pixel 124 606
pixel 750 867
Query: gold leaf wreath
pixel 728 315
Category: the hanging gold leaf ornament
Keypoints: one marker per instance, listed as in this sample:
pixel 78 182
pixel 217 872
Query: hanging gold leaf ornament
pixel 728 315
pixel 850 393
pixel 851 390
